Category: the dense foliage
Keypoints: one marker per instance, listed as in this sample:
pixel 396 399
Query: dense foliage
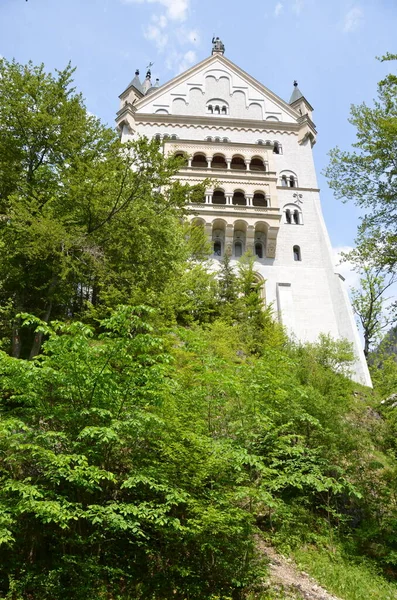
pixel 155 419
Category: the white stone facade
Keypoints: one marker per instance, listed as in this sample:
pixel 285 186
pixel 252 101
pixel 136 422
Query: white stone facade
pixel 256 150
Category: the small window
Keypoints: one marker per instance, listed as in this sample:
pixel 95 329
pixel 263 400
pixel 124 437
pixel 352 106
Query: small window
pixel 297 253
pixel 217 248
pixel 284 181
pixel 217 139
pixel 210 109
pixel 288 217
pixel 261 142
pixel 208 139
pixel 259 250
pixel 225 140
pixel 292 181
pixel 277 148
pixel 217 110
pixel 157 137
pixel 238 249
pixel 166 136
pixel 224 110
pixel 296 217
pixel 174 137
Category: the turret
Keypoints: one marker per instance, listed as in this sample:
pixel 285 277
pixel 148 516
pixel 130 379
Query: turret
pixel 299 102
pixel 147 84
pixel 305 110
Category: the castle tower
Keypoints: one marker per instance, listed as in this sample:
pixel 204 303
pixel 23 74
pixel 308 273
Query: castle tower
pixel 256 150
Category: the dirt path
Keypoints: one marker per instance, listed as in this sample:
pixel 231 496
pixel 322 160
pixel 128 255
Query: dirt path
pixel 285 577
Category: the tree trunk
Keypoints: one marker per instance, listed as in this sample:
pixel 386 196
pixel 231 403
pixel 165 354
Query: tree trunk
pixel 16 339
pixel 38 337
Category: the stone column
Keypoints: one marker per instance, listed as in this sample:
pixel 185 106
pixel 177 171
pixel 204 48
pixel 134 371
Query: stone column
pixel 247 163
pixel 208 196
pixel 229 233
pixel 209 161
pixel 189 162
pixel 271 240
pixel 249 198
pixel 229 198
pixel 250 239
pixel 228 162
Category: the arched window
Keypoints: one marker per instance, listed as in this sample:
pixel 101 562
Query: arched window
pixel 217 248
pixel 288 216
pixel 157 137
pixel 296 216
pixel 218 162
pixel 284 181
pixel 259 250
pixel 225 140
pixel 259 199
pixel 238 249
pixel 210 109
pixel 174 137
pixel 199 161
pixel 217 139
pixel 257 164
pixel 297 253
pixel 208 139
pixel 260 142
pixel 238 164
pixel 218 197
pixel 166 136
pixel 239 199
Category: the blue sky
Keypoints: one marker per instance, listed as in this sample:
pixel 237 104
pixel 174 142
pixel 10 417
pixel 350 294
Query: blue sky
pixel 329 47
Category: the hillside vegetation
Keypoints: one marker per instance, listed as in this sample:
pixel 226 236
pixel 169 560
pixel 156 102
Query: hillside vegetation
pixel 157 425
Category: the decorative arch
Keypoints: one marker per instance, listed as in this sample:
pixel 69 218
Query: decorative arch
pixel 218 237
pixel 239 198
pixel 293 214
pixel 217 106
pixel 218 196
pixel 218 161
pixel 288 179
pixel 257 164
pixel 239 238
pixel 238 163
pixel 199 160
pixel 260 281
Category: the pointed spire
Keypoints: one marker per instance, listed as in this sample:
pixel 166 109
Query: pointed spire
pixel 136 82
pixel 296 94
pixel 147 84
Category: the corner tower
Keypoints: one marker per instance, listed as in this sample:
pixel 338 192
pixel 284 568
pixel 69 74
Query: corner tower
pixel 256 150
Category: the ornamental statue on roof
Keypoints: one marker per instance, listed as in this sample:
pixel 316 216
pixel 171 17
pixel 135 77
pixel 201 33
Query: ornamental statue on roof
pixel 217 45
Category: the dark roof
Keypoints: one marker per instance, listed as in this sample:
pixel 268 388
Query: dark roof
pixel 296 94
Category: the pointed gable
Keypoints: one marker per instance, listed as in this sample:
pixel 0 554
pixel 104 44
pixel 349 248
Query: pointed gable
pixel 216 87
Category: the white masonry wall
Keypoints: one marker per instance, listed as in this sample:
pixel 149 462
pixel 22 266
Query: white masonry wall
pixel 307 295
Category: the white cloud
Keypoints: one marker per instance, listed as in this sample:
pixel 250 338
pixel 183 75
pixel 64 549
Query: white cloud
pixel 154 32
pixel 353 19
pixel 176 10
pixel 278 9
pixel 297 6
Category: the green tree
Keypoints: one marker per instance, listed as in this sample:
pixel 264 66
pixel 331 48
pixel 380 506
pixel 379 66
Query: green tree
pixel 109 488
pixel 368 174
pixel 370 305
pixel 82 218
